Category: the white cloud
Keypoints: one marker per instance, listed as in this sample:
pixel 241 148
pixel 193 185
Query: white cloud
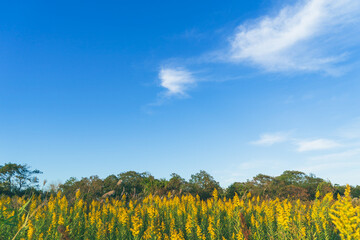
pixel 318 144
pixel 311 35
pixel 337 156
pixel 343 165
pixel 298 37
pixel 270 139
pixel 176 80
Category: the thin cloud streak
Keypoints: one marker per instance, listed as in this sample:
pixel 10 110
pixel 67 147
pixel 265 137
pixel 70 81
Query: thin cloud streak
pixel 302 145
pixel 270 139
pixel 317 144
pixel 310 36
pixel 337 156
pixel 290 40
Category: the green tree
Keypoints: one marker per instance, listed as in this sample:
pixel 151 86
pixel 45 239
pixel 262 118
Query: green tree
pixel 176 183
pixel 239 188
pixel 325 188
pixel 132 182
pixel 90 188
pixel 292 177
pixel 311 184
pixel 203 184
pixel 16 178
pixel 111 182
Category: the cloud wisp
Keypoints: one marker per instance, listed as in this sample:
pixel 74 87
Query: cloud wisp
pixel 309 36
pixel 323 155
pixel 317 144
pixel 337 156
pixel 176 81
pixel 297 38
pixel 269 139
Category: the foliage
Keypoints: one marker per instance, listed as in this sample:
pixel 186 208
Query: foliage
pixel 184 218
pixel 134 205
pixel 346 216
pixel 203 184
pixel 16 178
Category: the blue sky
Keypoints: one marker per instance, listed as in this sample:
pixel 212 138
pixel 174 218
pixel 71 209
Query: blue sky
pixel 235 88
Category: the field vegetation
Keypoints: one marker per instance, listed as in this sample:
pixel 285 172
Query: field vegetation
pixel 135 205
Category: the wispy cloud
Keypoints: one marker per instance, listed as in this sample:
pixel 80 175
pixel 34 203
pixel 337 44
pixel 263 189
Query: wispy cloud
pixel 317 144
pixel 343 165
pixel 176 80
pixel 337 156
pixel 296 38
pixel 302 145
pixel 311 35
pixel 269 139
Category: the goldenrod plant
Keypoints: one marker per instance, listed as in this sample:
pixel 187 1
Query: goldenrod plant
pixel 186 217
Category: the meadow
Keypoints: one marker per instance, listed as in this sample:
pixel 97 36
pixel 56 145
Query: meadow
pixel 180 217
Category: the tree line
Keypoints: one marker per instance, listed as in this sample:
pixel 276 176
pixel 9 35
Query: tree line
pixel 20 179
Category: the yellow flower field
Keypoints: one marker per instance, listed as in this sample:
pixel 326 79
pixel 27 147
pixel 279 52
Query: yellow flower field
pixel 185 217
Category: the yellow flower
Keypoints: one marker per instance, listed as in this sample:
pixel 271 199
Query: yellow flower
pixel 136 223
pixel 211 228
pixel 188 225
pixel 31 230
pixel 77 194
pixel 346 217
pixel 215 194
